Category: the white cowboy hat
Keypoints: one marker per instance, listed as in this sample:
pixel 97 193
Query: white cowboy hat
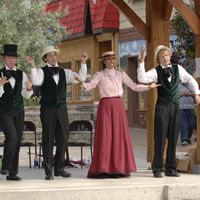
pixel 159 48
pixel 49 49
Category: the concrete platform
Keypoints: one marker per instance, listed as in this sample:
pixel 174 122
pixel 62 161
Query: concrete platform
pixel 140 186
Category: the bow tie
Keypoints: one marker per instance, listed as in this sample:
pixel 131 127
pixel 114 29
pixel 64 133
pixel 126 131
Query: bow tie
pixel 11 73
pixel 54 70
pixel 167 71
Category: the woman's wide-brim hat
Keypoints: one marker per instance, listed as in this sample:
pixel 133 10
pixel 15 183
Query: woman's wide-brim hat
pixel 107 54
pixel 10 50
pixel 48 49
pixel 159 48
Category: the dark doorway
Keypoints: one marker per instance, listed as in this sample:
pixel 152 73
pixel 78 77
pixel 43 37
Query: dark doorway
pixel 136 109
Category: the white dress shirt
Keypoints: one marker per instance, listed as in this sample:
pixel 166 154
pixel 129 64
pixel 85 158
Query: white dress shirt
pixel 25 93
pixel 37 75
pixel 151 76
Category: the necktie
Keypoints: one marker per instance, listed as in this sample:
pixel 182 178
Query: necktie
pixel 167 71
pixel 53 70
pixel 11 73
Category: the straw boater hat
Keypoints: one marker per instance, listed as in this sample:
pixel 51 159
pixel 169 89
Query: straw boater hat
pixel 49 49
pixel 107 54
pixel 159 48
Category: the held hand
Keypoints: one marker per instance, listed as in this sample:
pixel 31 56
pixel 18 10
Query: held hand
pixel 29 85
pixel 3 79
pixel 78 79
pixel 84 57
pixel 142 53
pixel 154 85
pixel 197 98
pixel 30 61
pixel 186 93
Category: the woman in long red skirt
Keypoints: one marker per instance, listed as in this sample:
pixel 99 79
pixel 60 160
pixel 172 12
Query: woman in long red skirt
pixel 113 151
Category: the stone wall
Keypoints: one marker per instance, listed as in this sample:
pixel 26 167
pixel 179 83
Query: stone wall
pixel 32 113
pixel 87 112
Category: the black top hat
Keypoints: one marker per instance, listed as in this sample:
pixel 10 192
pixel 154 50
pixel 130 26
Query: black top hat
pixel 10 50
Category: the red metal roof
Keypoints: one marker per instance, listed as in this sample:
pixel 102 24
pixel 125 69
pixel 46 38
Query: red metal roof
pixel 75 20
pixel 103 15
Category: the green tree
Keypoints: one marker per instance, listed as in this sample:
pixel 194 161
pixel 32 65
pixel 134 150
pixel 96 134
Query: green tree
pixel 184 45
pixel 27 24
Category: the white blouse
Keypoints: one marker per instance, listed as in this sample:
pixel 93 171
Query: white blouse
pixel 110 83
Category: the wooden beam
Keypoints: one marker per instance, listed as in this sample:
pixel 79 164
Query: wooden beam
pixel 142 28
pixel 159 32
pixel 167 10
pixel 188 14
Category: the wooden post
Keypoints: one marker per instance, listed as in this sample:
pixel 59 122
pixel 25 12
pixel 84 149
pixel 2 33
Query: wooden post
pixel 197 55
pixel 159 34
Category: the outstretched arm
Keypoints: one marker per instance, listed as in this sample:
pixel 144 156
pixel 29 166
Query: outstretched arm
pixel 143 76
pixel 92 84
pixel 137 87
pixel 27 90
pixel 83 70
pixel 78 79
pixel 70 76
pixel 37 74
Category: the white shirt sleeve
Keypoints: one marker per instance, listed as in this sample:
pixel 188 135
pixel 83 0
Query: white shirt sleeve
pixel 185 77
pixel 37 76
pixel 146 77
pixel 70 75
pixel 1 91
pixel 25 93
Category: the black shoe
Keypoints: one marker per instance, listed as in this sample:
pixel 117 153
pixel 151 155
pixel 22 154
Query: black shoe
pixel 49 177
pixel 114 175
pixel 103 175
pixel 13 178
pixel 63 174
pixel 172 173
pixel 4 172
pixel 157 174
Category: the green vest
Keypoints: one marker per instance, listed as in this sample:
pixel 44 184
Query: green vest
pixel 53 95
pixel 168 91
pixel 12 99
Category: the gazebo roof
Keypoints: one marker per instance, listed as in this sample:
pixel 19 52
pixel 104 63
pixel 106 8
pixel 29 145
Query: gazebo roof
pixel 100 15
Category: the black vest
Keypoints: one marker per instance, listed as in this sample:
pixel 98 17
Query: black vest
pixel 168 91
pixel 12 99
pixel 53 95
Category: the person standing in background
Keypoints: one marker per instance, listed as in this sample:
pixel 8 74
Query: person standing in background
pixel 187 113
pixel 14 85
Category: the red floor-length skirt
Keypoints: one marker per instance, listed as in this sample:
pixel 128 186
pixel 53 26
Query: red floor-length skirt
pixel 113 150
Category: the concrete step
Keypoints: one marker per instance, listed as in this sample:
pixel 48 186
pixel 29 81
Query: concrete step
pixel 141 185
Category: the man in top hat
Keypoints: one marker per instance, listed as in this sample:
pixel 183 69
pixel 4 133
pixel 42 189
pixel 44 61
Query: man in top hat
pixel 14 85
pixel 166 122
pixel 53 84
